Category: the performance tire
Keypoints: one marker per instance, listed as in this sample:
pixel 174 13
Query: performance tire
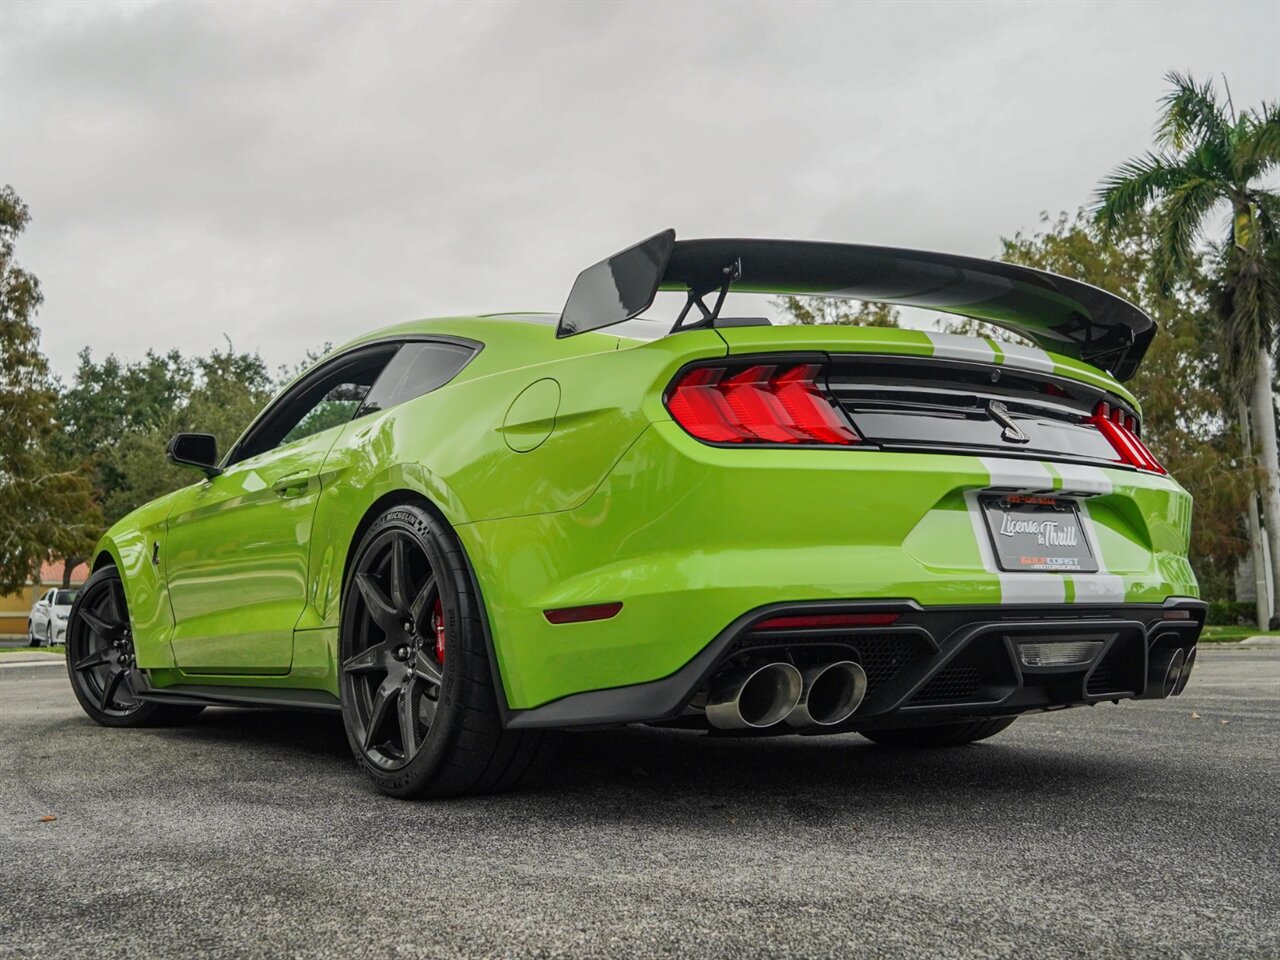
pixel 417 689
pixel 100 659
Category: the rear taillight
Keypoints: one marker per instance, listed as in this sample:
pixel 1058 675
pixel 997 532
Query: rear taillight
pixel 1120 430
pixel 762 403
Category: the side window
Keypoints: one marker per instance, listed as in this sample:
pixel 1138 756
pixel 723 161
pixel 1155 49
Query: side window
pixel 335 408
pixel 328 398
pixel 417 368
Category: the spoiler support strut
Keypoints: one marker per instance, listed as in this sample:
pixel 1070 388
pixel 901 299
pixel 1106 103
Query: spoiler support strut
pixel 731 273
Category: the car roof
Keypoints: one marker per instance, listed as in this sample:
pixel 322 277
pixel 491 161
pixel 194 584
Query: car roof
pixel 508 340
pixel 522 329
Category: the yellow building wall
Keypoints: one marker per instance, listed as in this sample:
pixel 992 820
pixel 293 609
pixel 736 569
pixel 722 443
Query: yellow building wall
pixel 14 608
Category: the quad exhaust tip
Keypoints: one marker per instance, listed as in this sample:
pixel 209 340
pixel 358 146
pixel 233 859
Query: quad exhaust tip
pixel 753 698
pixel 831 694
pixel 1185 674
pixel 1164 672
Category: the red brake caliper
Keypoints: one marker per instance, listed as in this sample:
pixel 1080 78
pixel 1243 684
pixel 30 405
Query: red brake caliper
pixel 437 624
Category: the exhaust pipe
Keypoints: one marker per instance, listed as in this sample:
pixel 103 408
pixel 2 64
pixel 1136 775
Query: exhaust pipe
pixel 831 693
pixel 1185 675
pixel 753 698
pixel 1163 671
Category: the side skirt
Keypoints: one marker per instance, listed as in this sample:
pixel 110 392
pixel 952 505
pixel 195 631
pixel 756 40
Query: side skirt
pixel 279 699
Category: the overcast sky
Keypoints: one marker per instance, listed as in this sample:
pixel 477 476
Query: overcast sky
pixel 289 174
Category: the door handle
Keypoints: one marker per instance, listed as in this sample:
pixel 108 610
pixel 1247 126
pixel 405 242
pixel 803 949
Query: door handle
pixel 293 485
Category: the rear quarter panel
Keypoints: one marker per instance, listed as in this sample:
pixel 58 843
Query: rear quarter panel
pixel 466 449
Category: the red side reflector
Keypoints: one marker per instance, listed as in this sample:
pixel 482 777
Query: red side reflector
pixel 828 621
pixel 1176 615
pixel 595 611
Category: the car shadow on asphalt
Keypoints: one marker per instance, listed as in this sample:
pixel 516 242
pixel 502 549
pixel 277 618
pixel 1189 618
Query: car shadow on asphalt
pixel 305 735
pixel 838 764
pixel 659 764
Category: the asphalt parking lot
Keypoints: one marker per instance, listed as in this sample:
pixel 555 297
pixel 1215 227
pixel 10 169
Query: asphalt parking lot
pixel 1138 830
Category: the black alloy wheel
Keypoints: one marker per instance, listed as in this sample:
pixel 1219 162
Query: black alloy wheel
pixel 101 661
pixel 395 679
pixel 419 697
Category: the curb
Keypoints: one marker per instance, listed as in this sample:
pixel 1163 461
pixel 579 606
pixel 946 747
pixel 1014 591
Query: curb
pixel 1260 642
pixel 33 660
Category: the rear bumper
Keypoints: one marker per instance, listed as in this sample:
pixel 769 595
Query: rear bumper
pixel 688 537
pixel 932 665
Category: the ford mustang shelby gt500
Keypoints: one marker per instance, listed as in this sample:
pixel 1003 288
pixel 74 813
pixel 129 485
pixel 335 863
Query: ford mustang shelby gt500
pixel 463 533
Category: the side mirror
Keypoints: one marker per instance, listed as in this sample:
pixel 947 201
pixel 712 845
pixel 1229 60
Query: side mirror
pixel 195 450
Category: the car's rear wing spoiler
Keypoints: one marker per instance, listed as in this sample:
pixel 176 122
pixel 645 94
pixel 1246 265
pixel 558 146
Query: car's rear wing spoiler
pixel 1059 314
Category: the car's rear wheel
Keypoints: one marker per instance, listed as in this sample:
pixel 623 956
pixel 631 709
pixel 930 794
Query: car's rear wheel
pixel 100 659
pixel 939 735
pixel 417 692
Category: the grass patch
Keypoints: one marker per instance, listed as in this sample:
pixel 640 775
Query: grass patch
pixel 1234 634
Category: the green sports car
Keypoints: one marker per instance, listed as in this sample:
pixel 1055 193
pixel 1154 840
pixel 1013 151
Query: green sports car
pixel 464 533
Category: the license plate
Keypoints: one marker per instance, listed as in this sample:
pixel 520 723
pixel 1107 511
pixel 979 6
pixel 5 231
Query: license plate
pixel 1038 534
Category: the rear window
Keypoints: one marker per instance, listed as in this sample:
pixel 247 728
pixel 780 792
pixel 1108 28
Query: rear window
pixel 417 368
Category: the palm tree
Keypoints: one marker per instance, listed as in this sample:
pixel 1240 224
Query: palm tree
pixel 1208 170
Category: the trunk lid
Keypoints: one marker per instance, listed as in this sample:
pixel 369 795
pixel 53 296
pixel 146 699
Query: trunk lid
pixel 914 390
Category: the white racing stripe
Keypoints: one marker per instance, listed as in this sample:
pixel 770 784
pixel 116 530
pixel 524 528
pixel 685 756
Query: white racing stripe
pixel 1014 587
pixel 953 346
pixel 1100 587
pixel 1078 478
pixel 1033 588
pixel 1030 476
pixel 1026 358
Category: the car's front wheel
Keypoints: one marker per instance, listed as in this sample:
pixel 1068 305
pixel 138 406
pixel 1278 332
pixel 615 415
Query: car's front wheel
pixel 418 698
pixel 939 735
pixel 100 659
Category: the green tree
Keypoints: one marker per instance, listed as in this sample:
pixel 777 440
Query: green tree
pixel 1212 160
pixel 106 404
pixel 286 374
pixel 45 509
pixel 827 311
pixel 121 415
pixel 1187 416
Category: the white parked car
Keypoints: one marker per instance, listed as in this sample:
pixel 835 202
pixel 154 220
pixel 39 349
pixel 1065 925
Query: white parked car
pixel 47 624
